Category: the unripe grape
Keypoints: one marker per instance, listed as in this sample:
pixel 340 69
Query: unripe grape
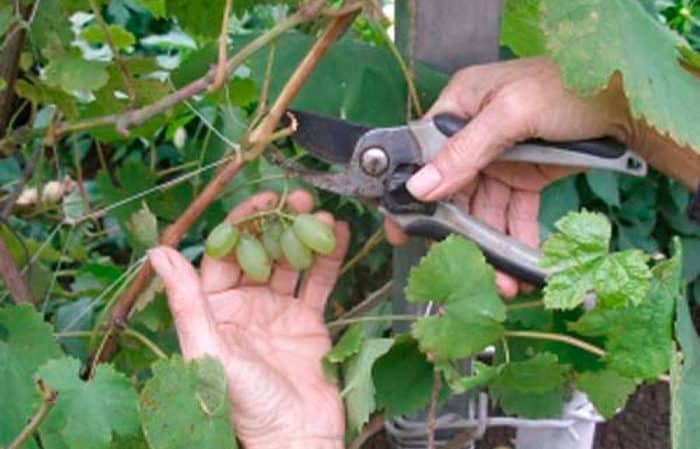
pixel 314 233
pixel 271 240
pixel 253 259
pixel 297 254
pixel 221 240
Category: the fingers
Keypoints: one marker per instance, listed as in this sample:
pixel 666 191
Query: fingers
pixel 523 210
pixel 221 274
pixel 323 273
pixel 502 122
pixel 394 234
pixel 196 329
pixel 284 277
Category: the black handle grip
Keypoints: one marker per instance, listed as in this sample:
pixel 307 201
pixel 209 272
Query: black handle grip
pixel 437 231
pixel 604 147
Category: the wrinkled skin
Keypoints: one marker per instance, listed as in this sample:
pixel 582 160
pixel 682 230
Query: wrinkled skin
pixel 508 102
pixel 269 341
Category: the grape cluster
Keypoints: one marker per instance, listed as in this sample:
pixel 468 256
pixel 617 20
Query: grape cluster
pixel 293 239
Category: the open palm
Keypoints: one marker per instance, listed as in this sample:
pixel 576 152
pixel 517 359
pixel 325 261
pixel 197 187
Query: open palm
pixel 269 340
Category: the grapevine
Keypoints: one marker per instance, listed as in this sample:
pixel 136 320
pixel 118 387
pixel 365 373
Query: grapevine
pixel 127 125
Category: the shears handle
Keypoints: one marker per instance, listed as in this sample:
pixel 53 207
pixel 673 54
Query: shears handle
pixel 503 252
pixel 605 153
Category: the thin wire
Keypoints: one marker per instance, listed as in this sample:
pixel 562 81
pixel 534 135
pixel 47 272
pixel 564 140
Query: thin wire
pixel 211 127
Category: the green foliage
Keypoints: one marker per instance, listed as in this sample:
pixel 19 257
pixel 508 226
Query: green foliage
pixel 638 338
pixel 349 344
pixel 520 27
pixel 359 390
pixel 185 405
pixel 121 38
pixel 403 378
pixel 532 387
pixel 579 253
pixel 685 381
pixel 472 309
pixel 87 413
pixel 587 63
pixel 607 390
pixel 74 74
pixel 25 344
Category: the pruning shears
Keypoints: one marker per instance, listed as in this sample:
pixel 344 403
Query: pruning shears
pixel 377 162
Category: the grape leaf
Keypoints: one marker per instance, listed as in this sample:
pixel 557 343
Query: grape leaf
pixel 607 390
pixel 455 275
pixel 156 7
pixel 638 338
pixel 121 38
pixel 26 343
pixel 531 388
pixel 74 74
pixel 403 378
pixel 198 19
pixel 87 412
pixel 622 278
pixel 143 225
pixel 685 382
pixel 359 391
pixel 185 405
pixel 520 27
pixel 349 344
pixel 579 251
pixel 604 185
pixel 590 40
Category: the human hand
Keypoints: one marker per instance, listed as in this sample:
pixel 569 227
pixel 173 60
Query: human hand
pixel 269 341
pixel 508 102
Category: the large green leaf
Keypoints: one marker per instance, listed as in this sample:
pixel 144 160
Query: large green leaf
pixel 87 412
pixel 403 379
pixel 74 74
pixel 353 80
pixel 639 338
pixel 200 19
pixel 592 39
pixel 579 251
pixel 607 390
pixel 26 343
pixel 520 27
pixel 531 388
pixel 185 405
pixel 685 382
pixel 455 275
pixel 359 392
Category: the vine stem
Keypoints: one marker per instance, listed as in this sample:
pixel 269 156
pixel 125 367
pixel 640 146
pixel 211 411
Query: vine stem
pixel 172 235
pixel 431 419
pixel 48 400
pixel 220 75
pixel 525 305
pixel 557 337
pixel 136 335
pixel 367 319
pixel 375 239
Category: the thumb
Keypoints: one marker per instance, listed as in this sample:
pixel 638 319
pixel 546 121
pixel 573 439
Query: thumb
pixel 196 328
pixel 497 127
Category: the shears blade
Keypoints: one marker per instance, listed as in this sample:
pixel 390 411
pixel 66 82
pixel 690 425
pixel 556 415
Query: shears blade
pixel 330 139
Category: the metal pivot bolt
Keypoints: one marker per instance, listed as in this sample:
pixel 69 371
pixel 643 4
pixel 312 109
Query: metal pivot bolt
pixel 374 161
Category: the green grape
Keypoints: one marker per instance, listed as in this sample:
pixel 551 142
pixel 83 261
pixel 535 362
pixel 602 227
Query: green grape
pixel 253 259
pixel 297 254
pixel 221 240
pixel 271 240
pixel 314 233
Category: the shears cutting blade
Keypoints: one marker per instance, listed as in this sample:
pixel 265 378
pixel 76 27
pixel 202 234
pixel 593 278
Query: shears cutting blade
pixel 377 163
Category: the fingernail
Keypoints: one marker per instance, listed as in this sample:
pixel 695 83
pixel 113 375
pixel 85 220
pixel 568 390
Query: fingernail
pixel 425 181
